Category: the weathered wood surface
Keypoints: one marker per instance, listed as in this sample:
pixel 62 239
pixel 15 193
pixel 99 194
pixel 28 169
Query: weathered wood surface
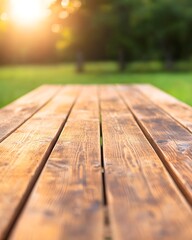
pixel 177 109
pixel 76 161
pixel 24 153
pixel 170 139
pixel 67 200
pixel 15 114
pixel 140 192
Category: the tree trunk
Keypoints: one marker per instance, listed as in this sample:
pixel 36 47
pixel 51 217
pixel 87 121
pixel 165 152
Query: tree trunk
pixel 168 61
pixel 121 61
pixel 79 62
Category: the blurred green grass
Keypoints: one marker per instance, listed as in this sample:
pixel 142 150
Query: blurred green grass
pixel 18 80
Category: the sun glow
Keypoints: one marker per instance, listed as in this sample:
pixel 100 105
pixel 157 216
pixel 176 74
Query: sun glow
pixel 28 12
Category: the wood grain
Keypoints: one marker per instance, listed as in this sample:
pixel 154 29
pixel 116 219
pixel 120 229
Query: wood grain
pixel 67 200
pixel 177 109
pixel 16 113
pixel 24 153
pixel 143 200
pixel 171 140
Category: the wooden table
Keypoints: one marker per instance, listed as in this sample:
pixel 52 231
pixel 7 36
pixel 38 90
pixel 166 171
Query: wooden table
pixel 96 162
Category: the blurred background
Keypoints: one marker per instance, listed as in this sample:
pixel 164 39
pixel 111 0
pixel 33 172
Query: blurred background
pixel 95 41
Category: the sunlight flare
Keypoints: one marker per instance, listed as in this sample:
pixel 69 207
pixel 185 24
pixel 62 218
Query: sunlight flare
pixel 28 12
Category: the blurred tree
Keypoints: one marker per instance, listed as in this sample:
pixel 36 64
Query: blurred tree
pixel 105 29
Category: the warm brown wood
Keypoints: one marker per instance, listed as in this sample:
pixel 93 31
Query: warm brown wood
pixel 52 181
pixel 177 109
pixel 144 202
pixel 15 114
pixel 24 153
pixel 67 200
pixel 171 140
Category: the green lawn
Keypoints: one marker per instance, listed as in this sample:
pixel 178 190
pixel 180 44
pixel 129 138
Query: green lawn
pixel 17 80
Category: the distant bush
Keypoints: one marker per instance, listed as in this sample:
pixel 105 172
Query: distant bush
pixel 158 66
pixel 148 66
pixel 183 66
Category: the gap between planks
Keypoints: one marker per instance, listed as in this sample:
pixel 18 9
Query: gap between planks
pixel 107 224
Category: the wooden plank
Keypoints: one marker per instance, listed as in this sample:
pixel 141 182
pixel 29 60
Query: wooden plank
pixel 24 153
pixel 177 109
pixel 171 140
pixel 143 201
pixel 67 200
pixel 16 113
